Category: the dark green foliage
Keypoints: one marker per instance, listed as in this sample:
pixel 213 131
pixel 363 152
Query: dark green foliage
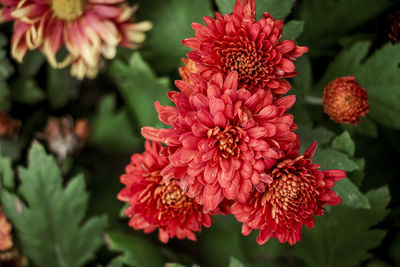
pixel 343 230
pixel 58 236
pixel 106 121
pixel 172 19
pixel 140 88
pixel 136 251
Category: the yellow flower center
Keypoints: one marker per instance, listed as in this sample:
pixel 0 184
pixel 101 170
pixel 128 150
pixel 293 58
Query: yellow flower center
pixel 68 9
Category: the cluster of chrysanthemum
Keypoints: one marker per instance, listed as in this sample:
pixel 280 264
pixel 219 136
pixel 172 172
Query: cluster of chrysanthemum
pixel 86 29
pixel 230 147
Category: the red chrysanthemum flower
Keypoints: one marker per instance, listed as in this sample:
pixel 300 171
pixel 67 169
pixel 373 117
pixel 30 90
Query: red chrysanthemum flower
pixel 5 233
pixel 222 136
pixel 395 27
pixel 8 126
pixel 87 28
pixel 187 69
pixel 237 42
pixel 153 204
pixel 345 101
pixel 297 192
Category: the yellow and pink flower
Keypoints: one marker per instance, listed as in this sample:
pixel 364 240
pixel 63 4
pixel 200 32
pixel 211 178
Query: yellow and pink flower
pixel 87 29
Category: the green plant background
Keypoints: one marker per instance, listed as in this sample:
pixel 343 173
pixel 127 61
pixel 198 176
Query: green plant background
pixel 70 215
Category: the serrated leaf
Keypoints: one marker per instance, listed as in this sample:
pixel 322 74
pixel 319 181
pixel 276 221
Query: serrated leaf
pixel 344 143
pixel 345 229
pixel 328 20
pixel 350 195
pixel 292 30
pixel 6 173
pixel 61 87
pixel 331 159
pixel 136 251
pixel 171 20
pixel 26 90
pixel 378 75
pixel 279 9
pixel 112 131
pixel 140 88
pixel 49 224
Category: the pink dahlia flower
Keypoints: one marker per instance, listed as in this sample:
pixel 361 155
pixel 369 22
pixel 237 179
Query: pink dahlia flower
pixel 154 204
pixel 221 136
pixel 88 29
pixel 297 192
pixel 237 42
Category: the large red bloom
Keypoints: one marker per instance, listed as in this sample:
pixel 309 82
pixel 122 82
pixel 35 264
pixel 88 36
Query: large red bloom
pixel 237 42
pixel 153 204
pixel 222 136
pixel 88 29
pixel 298 191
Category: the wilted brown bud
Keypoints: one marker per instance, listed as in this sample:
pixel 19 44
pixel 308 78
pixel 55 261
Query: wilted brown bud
pixel 8 126
pixel 64 137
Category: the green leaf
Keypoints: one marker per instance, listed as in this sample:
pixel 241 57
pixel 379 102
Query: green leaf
pixel 366 127
pixel 136 251
pixel 328 20
pixel 378 75
pixel 117 262
pixel 331 159
pixel 303 81
pixel 235 263
pixel 279 9
pixel 61 86
pixel 33 61
pixel 6 173
pixel 26 90
pixel 4 96
pixel 345 229
pixel 223 241
pixel 174 264
pixel 49 226
pixel 140 88
pixel 350 195
pixel 292 30
pixel 308 135
pixel 10 148
pixel 171 19
pixel 112 131
pixel 344 143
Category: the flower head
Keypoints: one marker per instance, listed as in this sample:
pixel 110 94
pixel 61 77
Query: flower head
pixel 8 126
pixel 5 233
pixel 88 29
pixel 64 136
pixel 345 101
pixel 221 136
pixel 297 192
pixel 154 204
pixel 237 42
pixel 186 70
